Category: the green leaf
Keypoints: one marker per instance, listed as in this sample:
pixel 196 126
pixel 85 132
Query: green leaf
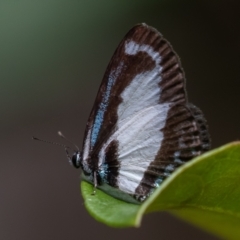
pixel 205 192
pixel 107 209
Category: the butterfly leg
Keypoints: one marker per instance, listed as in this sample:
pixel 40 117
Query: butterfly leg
pixel 94 182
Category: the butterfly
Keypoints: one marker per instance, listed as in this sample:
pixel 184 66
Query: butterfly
pixel 141 127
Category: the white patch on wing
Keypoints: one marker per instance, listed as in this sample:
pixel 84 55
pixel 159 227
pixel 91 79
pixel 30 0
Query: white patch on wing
pixel 132 48
pixel 139 138
pixel 144 90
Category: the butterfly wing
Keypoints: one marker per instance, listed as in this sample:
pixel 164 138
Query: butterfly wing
pixel 141 126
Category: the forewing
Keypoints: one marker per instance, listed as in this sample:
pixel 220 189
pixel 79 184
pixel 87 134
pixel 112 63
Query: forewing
pixel 144 71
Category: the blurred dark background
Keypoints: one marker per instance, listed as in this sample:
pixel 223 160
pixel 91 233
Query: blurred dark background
pixel 52 58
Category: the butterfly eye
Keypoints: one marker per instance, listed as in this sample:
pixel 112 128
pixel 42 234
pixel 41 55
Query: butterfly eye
pixel 76 159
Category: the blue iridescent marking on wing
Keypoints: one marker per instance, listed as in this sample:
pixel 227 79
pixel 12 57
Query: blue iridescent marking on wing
pixel 103 171
pixel 158 182
pixel 104 104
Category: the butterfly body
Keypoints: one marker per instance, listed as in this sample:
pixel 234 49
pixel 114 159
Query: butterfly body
pixel 141 127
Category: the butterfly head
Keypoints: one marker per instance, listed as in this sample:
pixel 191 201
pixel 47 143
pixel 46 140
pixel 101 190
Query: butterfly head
pixel 76 159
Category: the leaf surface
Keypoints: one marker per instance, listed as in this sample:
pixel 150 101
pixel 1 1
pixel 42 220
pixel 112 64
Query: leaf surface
pixel 204 192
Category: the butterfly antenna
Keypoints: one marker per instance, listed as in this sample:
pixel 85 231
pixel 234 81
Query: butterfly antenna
pixel 61 135
pixel 55 143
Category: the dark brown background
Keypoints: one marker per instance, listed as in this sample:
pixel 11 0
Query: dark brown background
pixel 52 57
